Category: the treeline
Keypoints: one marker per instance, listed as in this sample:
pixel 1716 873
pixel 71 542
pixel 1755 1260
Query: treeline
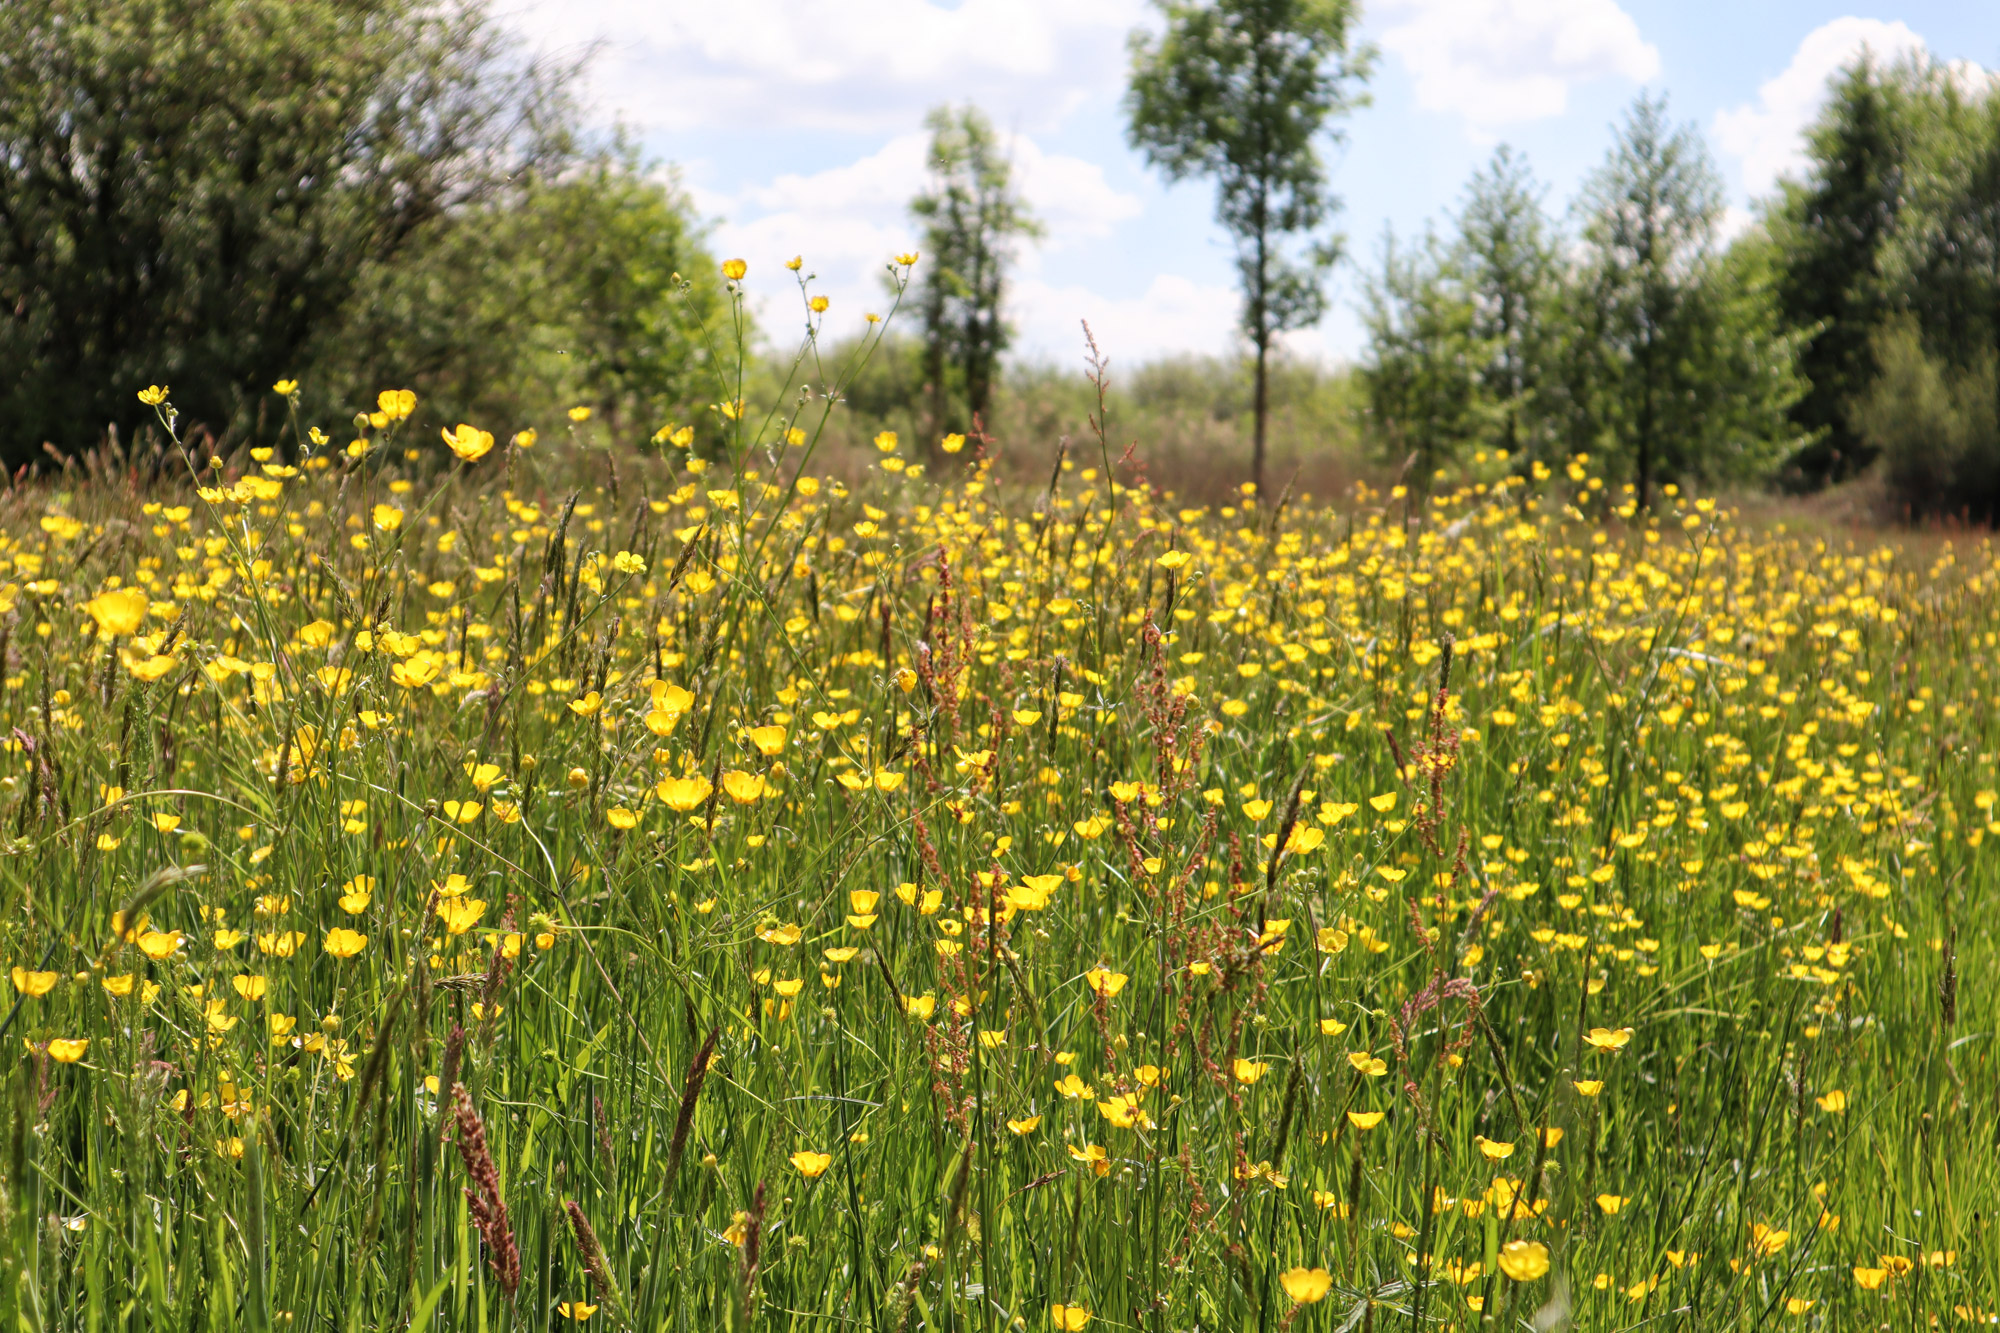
pixel 1858 319
pixel 360 194
pixel 1890 269
pixel 353 193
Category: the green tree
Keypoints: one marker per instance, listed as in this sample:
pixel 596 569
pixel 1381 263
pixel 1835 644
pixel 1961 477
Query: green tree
pixel 972 215
pixel 1513 275
pixel 1932 407
pixel 1461 339
pixel 1649 219
pixel 1952 242
pixel 585 284
pixel 1834 231
pixel 1245 91
pixel 1738 422
pixel 189 191
pixel 1423 364
pixel 1936 425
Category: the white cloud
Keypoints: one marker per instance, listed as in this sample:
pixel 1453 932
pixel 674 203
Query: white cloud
pixel 1495 62
pixel 1767 136
pixel 1173 314
pixel 1069 195
pixel 859 66
pixel 848 221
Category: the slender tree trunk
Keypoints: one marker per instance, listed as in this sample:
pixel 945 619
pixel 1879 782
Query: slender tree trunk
pixel 1646 427
pixel 934 336
pixel 1262 411
pixel 977 348
pixel 1260 331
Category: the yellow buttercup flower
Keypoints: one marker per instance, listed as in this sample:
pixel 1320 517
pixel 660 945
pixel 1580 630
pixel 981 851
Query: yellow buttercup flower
pixel 458 915
pixel 118 613
pixel 34 984
pixel 1524 1260
pixel 743 788
pixel 159 945
pixel 683 794
pixel 1105 982
pixel 1306 1285
pixel 344 943
pixel 1766 1240
pixel 468 442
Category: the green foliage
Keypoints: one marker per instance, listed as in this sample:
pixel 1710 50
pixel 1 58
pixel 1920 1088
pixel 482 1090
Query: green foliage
pixel 1833 231
pixel 1245 91
pixel 586 284
pixel 1647 345
pixel 1422 372
pixel 1895 236
pixel 191 190
pixel 1745 367
pixel 1949 256
pixel 824 910
pixel 1514 275
pixel 1936 425
pixel 971 215
pixel 1680 369
pixel 1462 338
pixel 1649 216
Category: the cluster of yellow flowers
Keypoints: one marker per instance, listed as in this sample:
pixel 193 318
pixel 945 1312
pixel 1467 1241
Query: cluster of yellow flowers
pixel 1276 872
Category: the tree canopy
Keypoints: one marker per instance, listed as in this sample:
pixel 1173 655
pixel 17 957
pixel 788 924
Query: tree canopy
pixel 190 190
pixel 1247 92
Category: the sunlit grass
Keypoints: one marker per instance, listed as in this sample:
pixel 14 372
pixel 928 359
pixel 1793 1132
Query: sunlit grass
pixel 948 904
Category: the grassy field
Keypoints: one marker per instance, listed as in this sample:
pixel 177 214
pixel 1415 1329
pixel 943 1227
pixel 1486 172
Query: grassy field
pixel 440 893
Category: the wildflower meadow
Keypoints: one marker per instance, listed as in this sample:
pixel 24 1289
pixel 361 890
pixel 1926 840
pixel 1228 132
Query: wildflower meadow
pixel 464 877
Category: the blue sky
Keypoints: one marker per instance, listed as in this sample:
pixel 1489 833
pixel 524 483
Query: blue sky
pixel 797 127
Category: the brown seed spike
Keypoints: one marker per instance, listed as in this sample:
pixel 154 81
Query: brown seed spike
pixel 489 1210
